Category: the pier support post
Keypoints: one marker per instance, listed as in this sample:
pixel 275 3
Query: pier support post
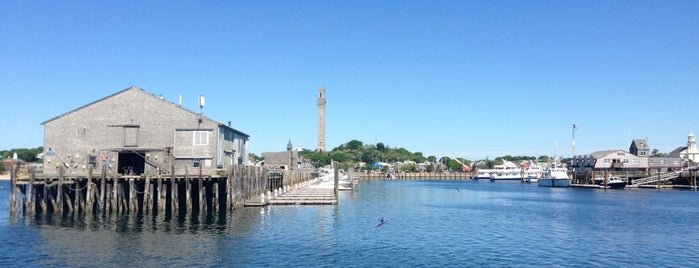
pixel 59 191
pixel 88 197
pixel 173 194
pixel 31 195
pixel 11 165
pixel 103 189
pixel 146 195
pixel 161 195
pixel 188 189
pixel 336 167
pixel 115 196
pixel 201 190
pixel 132 195
pixel 76 195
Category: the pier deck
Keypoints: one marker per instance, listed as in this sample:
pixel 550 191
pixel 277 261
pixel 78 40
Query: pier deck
pixel 302 196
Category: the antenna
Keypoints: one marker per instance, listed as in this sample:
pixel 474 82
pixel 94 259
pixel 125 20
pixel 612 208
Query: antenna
pixel 202 101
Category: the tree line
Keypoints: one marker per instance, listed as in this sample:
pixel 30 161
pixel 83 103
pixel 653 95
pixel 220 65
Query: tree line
pixel 350 154
pixel 29 155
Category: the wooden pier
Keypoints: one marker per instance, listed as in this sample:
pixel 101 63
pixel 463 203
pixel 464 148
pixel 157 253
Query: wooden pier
pixel 147 193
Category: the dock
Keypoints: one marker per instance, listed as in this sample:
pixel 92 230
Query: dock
pixel 305 194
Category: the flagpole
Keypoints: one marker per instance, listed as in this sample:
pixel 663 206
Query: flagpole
pixel 574 139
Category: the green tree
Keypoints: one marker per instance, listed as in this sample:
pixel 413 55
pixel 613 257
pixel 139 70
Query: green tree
pixel 432 158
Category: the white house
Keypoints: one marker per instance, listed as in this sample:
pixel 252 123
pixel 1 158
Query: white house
pixel 690 152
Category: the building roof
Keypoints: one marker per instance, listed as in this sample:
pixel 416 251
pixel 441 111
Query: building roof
pixel 150 94
pixel 677 151
pixel 641 144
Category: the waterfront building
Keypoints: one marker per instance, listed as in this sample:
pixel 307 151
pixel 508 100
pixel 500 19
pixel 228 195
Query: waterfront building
pixel 135 132
pixel 610 160
pixel 688 153
pixel 640 148
pixel 288 160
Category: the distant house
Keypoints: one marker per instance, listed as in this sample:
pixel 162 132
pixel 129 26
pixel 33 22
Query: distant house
pixel 689 152
pixel 288 160
pixel 639 147
pixel 135 132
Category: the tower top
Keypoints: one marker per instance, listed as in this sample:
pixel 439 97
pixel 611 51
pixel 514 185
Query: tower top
pixel 289 146
pixel 321 93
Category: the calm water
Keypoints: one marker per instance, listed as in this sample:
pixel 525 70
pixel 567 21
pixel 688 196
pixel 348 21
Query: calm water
pixel 429 223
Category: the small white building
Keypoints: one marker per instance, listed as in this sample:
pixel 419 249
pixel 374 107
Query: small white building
pixel 690 152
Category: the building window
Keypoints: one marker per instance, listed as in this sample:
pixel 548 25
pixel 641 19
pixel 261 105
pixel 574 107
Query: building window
pixel 626 161
pixel 634 161
pixel 201 138
pixel 607 160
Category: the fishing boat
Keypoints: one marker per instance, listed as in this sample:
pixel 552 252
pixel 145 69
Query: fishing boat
pixel 555 176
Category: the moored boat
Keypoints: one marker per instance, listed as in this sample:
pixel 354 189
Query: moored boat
pixel 507 171
pixel 613 182
pixel 555 176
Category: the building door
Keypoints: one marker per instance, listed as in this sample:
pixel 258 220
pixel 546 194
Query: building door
pixel 131 163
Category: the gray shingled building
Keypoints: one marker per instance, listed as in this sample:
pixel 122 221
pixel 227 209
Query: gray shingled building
pixel 135 132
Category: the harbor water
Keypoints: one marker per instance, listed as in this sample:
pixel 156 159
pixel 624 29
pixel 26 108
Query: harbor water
pixel 427 224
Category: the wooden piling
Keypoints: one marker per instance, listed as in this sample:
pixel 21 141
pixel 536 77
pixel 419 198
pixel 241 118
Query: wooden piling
pixel 103 189
pixel 70 205
pixel 30 192
pixel 76 195
pixel 13 184
pixel 188 189
pixel 146 194
pixel 201 187
pixel 88 197
pixel 173 193
pixel 115 192
pixel 43 202
pixel 59 191
pixel 150 201
pixel 132 196
pixel 161 196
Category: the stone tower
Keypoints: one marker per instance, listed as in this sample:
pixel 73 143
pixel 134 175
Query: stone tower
pixel 321 119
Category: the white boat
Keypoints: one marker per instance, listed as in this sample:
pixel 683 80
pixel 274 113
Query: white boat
pixel 484 174
pixel 533 173
pixel 613 182
pixel 555 176
pixel 508 171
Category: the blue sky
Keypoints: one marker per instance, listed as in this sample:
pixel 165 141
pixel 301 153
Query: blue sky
pixel 445 78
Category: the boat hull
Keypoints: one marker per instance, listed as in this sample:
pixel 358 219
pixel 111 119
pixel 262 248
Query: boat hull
pixel 615 185
pixel 547 182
